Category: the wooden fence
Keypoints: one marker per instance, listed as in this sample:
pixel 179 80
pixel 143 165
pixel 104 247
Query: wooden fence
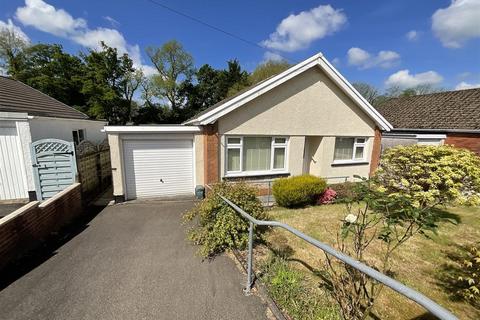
pixel 94 170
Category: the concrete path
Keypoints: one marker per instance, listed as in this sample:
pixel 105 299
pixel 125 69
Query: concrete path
pixel 131 262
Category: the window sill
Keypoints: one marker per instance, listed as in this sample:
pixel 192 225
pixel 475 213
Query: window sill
pixel 255 174
pixel 349 163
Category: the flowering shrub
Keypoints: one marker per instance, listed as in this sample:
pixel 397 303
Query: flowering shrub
pixel 327 197
pixel 430 175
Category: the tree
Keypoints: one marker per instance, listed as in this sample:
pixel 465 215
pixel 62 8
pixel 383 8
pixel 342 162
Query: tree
pixel 267 69
pixel 46 67
pixel 369 92
pixel 106 73
pixel 132 82
pixel 234 78
pixel 174 66
pixel 12 46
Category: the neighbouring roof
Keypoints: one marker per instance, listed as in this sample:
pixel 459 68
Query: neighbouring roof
pixel 16 96
pixel 211 114
pixel 451 110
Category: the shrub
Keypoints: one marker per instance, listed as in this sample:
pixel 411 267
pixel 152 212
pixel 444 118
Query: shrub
pixel 345 190
pixel 469 281
pixel 430 175
pixel 298 191
pixel 327 197
pixel 219 226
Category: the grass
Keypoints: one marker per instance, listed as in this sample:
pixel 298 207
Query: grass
pixel 423 264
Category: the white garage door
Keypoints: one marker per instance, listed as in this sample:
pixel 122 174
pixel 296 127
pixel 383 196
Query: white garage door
pixel 158 168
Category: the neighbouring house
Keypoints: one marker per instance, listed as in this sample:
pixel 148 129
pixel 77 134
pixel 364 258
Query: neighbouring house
pixel 307 119
pixel 26 116
pixel 451 117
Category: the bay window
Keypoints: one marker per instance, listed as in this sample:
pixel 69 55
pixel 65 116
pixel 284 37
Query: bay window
pixel 255 154
pixel 349 150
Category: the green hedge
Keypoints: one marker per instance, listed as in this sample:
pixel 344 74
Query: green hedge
pixel 298 191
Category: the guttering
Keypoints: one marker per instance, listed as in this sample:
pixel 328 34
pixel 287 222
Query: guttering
pixel 13 116
pixel 153 129
pixel 67 119
pixel 437 130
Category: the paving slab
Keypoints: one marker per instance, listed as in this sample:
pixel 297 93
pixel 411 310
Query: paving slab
pixel 131 262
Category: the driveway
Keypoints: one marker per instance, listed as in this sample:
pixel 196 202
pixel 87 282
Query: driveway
pixel 131 262
pixel 6 209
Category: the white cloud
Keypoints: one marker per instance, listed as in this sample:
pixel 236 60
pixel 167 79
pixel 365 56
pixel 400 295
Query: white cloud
pixel 9 25
pixel 412 35
pixel 272 56
pixel 297 32
pixel 364 60
pixel 457 23
pixel 112 21
pixel 404 79
pixel 465 85
pixel 47 18
pixel 336 61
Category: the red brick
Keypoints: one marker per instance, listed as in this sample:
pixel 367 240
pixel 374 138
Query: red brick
pixel 470 141
pixel 211 145
pixel 376 150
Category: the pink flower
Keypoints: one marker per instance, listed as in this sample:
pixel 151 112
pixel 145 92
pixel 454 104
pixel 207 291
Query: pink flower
pixel 328 196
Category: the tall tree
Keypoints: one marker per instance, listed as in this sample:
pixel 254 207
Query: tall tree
pixel 174 66
pixel 369 92
pixel 268 69
pixel 46 67
pixel 132 82
pixel 104 84
pixel 12 46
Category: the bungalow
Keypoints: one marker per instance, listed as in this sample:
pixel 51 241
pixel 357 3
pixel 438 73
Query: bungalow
pixel 451 117
pixel 26 116
pixel 307 119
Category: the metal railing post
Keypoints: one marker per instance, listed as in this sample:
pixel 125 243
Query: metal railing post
pixel 249 260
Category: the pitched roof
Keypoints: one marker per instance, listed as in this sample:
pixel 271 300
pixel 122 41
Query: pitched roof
pixel 16 96
pixel 220 109
pixel 451 110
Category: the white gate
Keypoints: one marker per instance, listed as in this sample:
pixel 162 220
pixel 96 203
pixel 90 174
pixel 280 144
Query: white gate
pixel 54 166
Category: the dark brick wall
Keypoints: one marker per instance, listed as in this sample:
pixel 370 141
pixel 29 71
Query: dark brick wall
pixel 34 222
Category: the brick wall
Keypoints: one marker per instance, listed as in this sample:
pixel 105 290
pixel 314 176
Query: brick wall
pixel 26 228
pixel 376 150
pixel 468 141
pixel 211 153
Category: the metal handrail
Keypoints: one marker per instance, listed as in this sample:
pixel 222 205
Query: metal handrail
pixel 437 310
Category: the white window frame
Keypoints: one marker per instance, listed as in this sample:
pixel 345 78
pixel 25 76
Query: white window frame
pixel 356 145
pixel 271 170
pixel 78 135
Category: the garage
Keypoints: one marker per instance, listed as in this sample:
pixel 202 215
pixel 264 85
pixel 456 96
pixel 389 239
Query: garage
pixel 158 168
pixel 155 161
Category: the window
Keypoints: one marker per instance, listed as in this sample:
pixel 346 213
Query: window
pixel 78 136
pixel 349 149
pixel 256 154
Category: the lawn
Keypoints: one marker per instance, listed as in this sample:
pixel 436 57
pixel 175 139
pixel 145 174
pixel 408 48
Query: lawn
pixel 423 264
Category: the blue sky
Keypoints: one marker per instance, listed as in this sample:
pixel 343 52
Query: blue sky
pixel 384 43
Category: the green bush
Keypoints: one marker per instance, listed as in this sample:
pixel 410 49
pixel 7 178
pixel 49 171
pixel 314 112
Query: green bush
pixel 430 175
pixel 344 190
pixel 219 227
pixel 298 191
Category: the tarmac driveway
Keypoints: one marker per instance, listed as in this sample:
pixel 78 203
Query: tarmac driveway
pixel 131 262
